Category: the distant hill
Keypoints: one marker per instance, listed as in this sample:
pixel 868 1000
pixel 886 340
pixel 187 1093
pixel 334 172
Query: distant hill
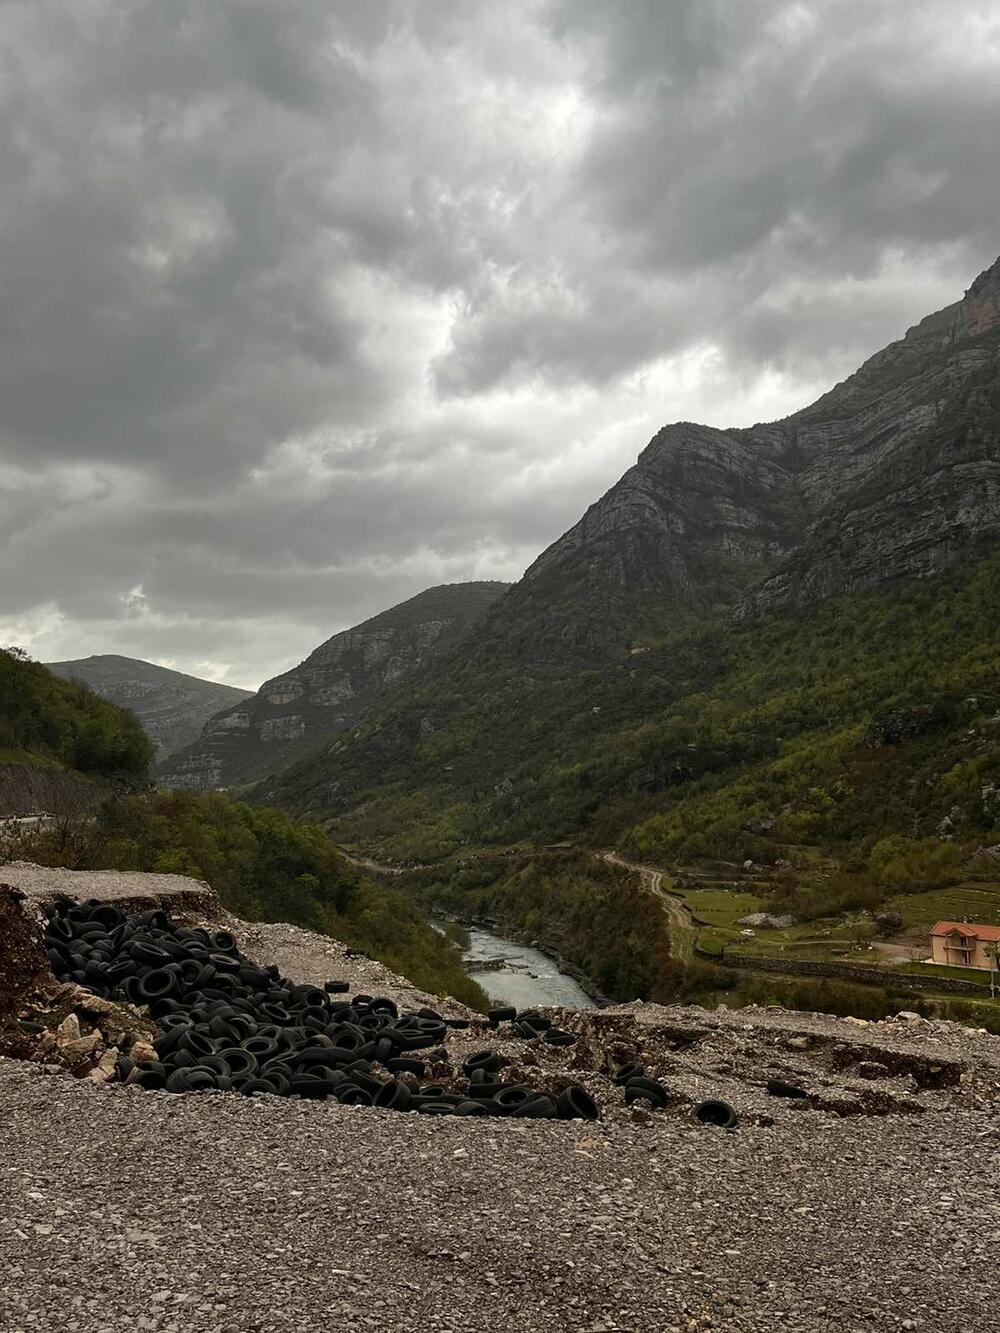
pixel 62 748
pixel 297 711
pixel 171 706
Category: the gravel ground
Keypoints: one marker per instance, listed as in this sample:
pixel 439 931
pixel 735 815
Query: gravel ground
pixel 314 959
pixel 127 889
pixel 132 1210
pixel 867 1205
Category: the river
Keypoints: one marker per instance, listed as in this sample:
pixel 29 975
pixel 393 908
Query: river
pixel 525 978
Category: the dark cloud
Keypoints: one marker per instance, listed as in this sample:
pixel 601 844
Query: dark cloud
pixel 304 307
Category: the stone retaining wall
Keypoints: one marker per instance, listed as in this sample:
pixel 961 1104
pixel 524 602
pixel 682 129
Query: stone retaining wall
pixel 869 976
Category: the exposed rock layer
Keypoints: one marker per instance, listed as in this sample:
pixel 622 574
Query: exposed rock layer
pixel 171 706
pixel 295 712
pixel 893 473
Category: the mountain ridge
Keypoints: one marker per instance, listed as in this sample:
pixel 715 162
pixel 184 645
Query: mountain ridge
pixel 293 712
pixel 891 476
pixel 171 706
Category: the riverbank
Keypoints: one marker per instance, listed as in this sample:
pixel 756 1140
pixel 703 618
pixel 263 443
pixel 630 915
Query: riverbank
pixel 523 940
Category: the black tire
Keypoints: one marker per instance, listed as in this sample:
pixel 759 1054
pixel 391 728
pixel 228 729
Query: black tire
pixel 646 1089
pixel 311 1087
pixel 625 1073
pixel 511 1096
pixel 239 1060
pixel 191 1080
pixel 559 1037
pixel 536 1021
pixel 349 1095
pixel 506 1014
pixel 487 1061
pixel 484 1092
pixel 196 1042
pixel 431 1107
pixel 716 1112
pixel 400 1064
pixel 576 1103
pixel 150 954
pixel 472 1108
pixel 779 1088
pixel 127 989
pixel 394 1096
pixel 275 1013
pixel 384 1050
pixel 537 1107
pixel 260 1084
pixel 262 1048
pixel 150 1079
pixel 337 987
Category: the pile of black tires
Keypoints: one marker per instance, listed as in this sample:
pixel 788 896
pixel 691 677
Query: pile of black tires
pixel 229 1025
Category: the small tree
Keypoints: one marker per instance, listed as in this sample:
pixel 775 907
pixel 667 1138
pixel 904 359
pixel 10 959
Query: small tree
pixel 993 954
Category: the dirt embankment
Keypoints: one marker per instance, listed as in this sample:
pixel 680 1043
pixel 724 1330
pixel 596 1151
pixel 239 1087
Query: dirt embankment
pixel 27 790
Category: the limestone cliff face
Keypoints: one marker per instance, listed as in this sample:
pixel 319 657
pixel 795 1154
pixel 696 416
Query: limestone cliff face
pixel 295 712
pixel 894 473
pixel 901 472
pixel 701 513
pixel 171 706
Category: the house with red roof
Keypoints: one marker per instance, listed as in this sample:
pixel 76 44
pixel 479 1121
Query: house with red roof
pixel 964 944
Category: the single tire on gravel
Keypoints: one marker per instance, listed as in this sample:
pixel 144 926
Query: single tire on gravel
pixel 716 1112
pixel 646 1089
pixel 576 1103
pixel 779 1088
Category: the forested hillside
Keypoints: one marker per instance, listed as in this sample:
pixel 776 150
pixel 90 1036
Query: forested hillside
pixel 263 866
pixel 48 721
pixel 866 719
pixel 171 706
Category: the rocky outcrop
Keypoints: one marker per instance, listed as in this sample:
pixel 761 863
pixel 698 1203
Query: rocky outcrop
pixel 701 514
pixel 900 464
pixel 894 473
pixel 171 707
pixel 296 712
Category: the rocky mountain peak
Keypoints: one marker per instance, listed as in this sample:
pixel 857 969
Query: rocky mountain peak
pixel 987 284
pixel 326 693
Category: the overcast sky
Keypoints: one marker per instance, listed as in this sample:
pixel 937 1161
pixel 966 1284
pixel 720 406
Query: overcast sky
pixel 306 305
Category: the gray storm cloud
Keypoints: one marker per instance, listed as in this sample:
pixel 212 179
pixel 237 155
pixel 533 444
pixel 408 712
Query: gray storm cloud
pixel 306 306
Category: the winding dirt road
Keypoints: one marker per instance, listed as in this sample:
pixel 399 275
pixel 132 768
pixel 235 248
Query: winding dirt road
pixel 682 927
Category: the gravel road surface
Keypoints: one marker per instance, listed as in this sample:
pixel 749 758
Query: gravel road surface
pixel 132 1210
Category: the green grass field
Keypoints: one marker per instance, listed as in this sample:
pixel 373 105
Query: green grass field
pixel 978 902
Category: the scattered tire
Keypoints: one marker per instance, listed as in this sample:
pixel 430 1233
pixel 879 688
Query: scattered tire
pixel 715 1112
pixel 646 1089
pixel 576 1103
pixel 558 1037
pixel 779 1088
